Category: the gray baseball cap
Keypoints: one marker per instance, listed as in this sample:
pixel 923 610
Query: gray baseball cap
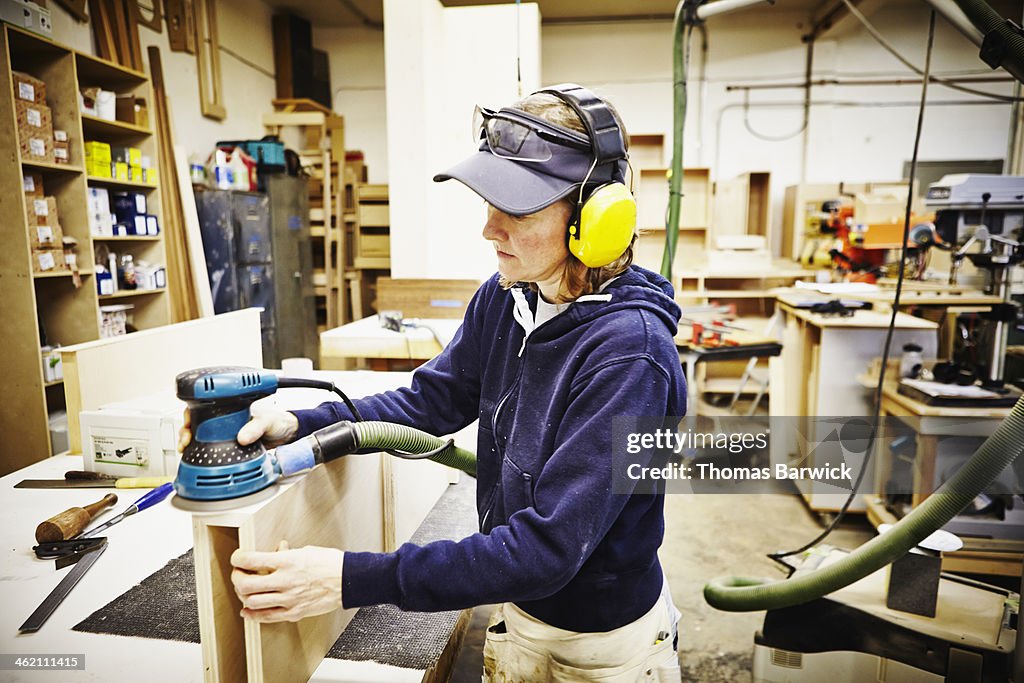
pixel 521 185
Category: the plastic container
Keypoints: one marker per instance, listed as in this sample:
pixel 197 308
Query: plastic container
pixel 911 361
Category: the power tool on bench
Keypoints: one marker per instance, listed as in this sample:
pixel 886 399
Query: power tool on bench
pixel 216 472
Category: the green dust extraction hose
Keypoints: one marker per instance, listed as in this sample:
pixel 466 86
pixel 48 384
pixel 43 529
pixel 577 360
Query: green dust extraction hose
pixel 403 441
pixel 746 594
pixel 680 63
pixel 343 438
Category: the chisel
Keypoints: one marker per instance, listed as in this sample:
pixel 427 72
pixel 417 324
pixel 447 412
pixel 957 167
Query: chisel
pixel 70 523
pixel 146 501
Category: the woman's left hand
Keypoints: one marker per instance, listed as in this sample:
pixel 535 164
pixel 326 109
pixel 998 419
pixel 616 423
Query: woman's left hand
pixel 287 585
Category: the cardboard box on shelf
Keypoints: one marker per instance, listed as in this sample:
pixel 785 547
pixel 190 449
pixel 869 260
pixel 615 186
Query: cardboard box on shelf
pixel 97 159
pixel 136 225
pixel 98 102
pixel 132 109
pixel 48 260
pixel 126 205
pixel 38 149
pixel 35 131
pixel 32 184
pixel 29 88
pixel 61 147
pixel 94 149
pixel 31 16
pixel 98 169
pixel 46 236
pixel 34 119
pixel 101 221
pixel 41 211
pixel 61 153
pixel 150 276
pixel 114 320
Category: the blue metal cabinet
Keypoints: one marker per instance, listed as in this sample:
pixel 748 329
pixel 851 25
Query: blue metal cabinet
pixel 258 254
pixel 250 213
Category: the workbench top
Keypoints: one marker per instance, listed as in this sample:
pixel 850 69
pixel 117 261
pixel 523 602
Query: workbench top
pixel 860 319
pixel 365 338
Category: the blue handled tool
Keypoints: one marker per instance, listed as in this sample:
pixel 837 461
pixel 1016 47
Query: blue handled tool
pixel 148 500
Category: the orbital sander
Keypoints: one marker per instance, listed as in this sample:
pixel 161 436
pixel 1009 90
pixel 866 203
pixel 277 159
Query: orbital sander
pixel 216 472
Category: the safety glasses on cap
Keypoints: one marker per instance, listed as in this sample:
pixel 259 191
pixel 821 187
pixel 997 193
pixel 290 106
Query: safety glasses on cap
pixel 516 137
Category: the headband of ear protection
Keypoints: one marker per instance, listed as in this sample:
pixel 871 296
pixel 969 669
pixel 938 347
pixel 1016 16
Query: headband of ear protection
pixel 602 226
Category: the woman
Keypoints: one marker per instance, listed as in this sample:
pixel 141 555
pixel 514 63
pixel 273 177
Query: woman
pixel 567 336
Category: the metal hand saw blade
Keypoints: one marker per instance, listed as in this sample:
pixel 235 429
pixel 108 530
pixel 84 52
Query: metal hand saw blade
pixel 66 484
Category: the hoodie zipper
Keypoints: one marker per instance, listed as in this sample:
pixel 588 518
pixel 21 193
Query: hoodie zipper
pixel 494 431
pixel 504 398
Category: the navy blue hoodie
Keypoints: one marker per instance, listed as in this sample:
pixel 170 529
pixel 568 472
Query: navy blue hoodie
pixel 553 537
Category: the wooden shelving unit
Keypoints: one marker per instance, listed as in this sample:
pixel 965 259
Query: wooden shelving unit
pixel 322 153
pixel 48 307
pixel 130 292
pixel 93 124
pixel 649 161
pixel 46 167
pixel 694 221
pixel 368 231
pixel 742 206
pixel 116 184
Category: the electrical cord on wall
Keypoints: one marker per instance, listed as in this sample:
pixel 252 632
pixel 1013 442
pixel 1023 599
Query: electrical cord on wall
pixel 763 136
pixel 778 556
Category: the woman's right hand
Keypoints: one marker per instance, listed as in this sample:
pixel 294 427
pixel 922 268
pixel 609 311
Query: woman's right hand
pixel 274 427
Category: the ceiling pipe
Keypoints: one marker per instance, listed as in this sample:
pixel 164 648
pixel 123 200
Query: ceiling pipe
pixel 860 82
pixel 954 15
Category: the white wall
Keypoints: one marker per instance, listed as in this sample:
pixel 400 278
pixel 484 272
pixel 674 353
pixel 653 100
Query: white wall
pixel 851 143
pixel 356 58
pixel 440 62
pixel 247 68
pixel 631 64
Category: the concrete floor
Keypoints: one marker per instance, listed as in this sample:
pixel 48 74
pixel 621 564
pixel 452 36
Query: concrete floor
pixel 708 536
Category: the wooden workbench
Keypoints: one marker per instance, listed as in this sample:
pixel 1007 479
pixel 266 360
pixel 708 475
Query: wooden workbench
pixel 367 339
pixel 142 545
pixel 816 373
pixel 943 433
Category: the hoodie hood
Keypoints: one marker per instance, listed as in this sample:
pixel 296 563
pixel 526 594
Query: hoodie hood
pixel 635 288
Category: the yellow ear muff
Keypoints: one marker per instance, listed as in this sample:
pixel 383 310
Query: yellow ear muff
pixel 605 228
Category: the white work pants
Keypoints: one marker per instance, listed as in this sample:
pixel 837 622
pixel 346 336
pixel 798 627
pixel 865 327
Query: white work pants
pixel 530 651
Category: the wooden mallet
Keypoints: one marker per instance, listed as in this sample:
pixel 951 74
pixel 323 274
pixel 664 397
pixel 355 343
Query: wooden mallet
pixel 72 521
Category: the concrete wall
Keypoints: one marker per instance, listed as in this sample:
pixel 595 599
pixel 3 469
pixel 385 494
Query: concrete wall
pixel 247 72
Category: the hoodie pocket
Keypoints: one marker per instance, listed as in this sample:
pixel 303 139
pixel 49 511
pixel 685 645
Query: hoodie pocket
pixel 518 485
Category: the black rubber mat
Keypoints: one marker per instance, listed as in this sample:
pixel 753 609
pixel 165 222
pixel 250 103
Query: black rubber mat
pixel 163 606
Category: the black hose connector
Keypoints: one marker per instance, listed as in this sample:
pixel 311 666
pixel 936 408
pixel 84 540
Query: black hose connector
pixel 335 441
